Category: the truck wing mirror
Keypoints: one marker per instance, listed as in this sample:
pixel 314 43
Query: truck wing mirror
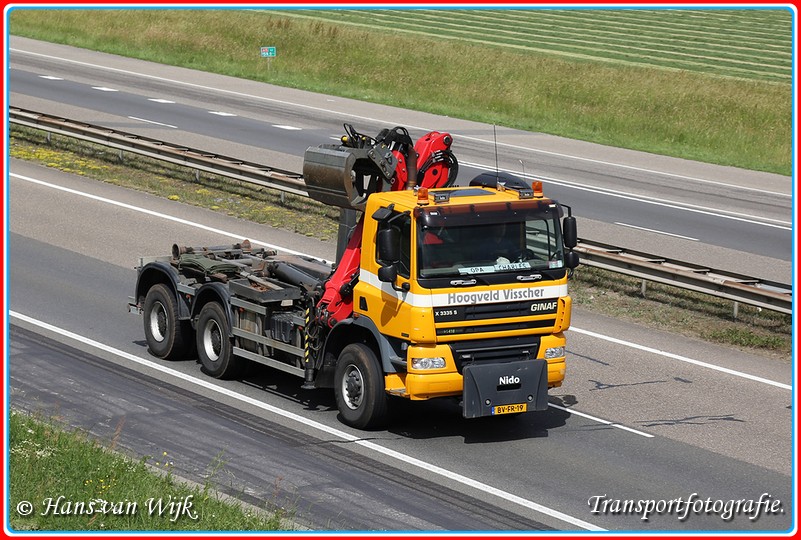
pixel 569 232
pixel 388 274
pixel 388 245
pixel 571 259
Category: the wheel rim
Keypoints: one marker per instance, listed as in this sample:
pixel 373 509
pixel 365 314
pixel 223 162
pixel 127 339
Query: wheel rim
pixel 353 387
pixel 159 325
pixel 212 341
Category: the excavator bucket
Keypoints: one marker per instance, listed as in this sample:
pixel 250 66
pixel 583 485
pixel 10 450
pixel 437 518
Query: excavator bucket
pixel 345 177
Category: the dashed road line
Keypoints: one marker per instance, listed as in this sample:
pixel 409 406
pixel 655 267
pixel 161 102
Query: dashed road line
pixel 656 231
pixel 152 122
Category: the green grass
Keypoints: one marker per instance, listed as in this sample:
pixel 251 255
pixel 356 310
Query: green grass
pixel 52 467
pixel 708 85
pixel 733 43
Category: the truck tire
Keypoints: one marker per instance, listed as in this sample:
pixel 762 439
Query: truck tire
pixel 214 347
pixel 167 337
pixel 359 387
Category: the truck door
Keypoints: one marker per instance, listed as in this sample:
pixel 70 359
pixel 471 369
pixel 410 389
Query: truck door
pixel 385 302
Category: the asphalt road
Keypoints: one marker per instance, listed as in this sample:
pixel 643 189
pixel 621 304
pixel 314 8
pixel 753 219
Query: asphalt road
pixel 722 217
pixel 320 485
pixel 643 415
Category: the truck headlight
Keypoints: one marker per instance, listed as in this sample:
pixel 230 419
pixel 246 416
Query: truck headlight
pixel 554 352
pixel 428 363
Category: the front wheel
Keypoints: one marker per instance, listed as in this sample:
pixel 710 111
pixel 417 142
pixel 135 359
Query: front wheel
pixel 214 347
pixel 359 387
pixel 166 335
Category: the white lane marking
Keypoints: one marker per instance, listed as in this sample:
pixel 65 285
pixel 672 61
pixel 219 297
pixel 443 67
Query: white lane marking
pixel 388 123
pixel 288 128
pixel 152 122
pixel 210 386
pixel 656 231
pixel 601 420
pixel 104 89
pixel 156 214
pixel 736 216
pixel 50 77
pixel 159 100
pixel 273 246
pixel 220 113
pixel 682 358
pixel 633 168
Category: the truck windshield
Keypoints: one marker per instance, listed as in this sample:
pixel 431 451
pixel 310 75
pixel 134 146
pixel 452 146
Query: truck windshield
pixel 509 241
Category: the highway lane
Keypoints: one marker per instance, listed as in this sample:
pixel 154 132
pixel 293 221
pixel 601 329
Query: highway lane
pixel 321 485
pixel 704 214
pixel 680 428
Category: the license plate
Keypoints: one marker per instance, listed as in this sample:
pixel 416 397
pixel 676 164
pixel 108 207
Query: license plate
pixel 509 409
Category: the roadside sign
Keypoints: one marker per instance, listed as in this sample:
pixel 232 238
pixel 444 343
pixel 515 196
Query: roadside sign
pixel 268 52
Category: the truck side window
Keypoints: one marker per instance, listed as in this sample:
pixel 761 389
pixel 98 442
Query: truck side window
pixel 402 222
pixel 405 262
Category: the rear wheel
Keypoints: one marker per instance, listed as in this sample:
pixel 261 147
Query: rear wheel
pixel 359 387
pixel 214 347
pixel 166 335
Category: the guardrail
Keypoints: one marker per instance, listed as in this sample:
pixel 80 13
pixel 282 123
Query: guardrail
pixel 720 283
pixel 201 160
pixel 739 288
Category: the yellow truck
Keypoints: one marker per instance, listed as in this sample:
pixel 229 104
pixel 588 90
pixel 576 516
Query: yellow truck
pixel 439 291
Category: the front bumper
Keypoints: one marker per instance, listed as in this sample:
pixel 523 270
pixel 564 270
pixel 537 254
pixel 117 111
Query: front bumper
pixel 490 388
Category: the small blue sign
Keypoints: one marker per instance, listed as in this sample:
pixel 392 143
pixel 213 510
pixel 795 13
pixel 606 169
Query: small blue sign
pixel 268 52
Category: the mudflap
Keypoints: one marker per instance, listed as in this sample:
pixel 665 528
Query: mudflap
pixel 511 387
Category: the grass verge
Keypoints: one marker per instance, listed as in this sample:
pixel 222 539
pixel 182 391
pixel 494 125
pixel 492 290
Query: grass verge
pixel 662 306
pixel 242 200
pixel 683 312
pixel 699 116
pixel 61 480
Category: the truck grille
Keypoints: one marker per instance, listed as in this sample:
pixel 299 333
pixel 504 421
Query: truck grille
pixel 502 327
pixel 503 310
pixel 495 350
